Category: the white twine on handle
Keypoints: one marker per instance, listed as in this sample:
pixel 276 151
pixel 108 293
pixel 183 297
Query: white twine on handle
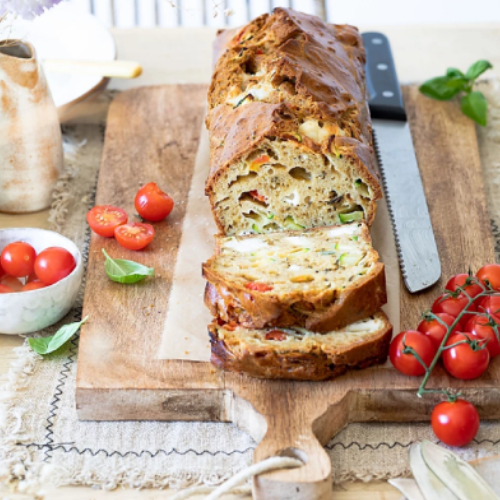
pixel 267 465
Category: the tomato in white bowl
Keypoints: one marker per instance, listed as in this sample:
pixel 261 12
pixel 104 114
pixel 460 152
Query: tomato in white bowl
pixel 31 308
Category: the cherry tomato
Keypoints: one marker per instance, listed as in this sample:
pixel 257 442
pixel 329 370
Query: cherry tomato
pixel 408 363
pixel 455 423
pixel 2 272
pixel 435 330
pixel 451 305
pixel 479 327
pixel 32 285
pixel 459 280
pixel 152 203
pixel 464 361
pixel 135 235
pixel 31 277
pixel 491 273
pixel 276 335
pixel 53 264
pixel 18 259
pixel 259 287
pixel 5 289
pixel 103 219
pixel 13 283
pixel 490 305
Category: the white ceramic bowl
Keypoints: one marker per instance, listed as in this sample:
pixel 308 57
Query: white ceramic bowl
pixel 31 311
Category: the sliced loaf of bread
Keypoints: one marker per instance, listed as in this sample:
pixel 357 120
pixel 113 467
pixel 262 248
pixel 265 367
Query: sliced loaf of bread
pixel 299 354
pixel 320 279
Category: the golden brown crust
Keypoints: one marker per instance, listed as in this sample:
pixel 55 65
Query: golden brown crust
pixel 312 365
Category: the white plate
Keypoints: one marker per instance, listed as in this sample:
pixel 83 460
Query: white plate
pixel 64 32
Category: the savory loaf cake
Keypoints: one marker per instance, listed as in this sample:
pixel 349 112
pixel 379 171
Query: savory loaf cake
pixel 321 279
pixel 290 130
pixel 298 354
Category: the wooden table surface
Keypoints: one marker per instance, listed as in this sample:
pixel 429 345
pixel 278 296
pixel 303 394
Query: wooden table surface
pixel 184 55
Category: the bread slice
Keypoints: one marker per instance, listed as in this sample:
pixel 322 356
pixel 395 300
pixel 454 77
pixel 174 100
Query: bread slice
pixel 299 354
pixel 290 130
pixel 320 279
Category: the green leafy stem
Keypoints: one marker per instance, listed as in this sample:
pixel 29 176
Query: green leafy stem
pixel 444 88
pixel 487 291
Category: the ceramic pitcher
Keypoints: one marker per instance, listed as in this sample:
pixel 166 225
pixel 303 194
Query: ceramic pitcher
pixel 31 156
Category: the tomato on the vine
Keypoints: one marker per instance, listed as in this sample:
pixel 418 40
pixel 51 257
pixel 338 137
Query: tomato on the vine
pixel 408 363
pixel 453 306
pixel 466 361
pixel 459 280
pixel 455 423
pixel 152 203
pixel 32 285
pixel 18 259
pixel 5 289
pixel 490 273
pixel 53 264
pixel 103 219
pixel 435 330
pixel 479 326
pixel 490 305
pixel 135 235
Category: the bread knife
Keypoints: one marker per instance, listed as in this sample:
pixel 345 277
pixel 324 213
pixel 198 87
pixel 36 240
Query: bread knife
pixel 411 222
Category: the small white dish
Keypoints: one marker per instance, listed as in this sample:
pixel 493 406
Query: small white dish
pixel 28 312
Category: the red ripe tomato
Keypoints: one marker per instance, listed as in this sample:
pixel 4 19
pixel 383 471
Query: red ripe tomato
pixel 31 277
pixel 103 219
pixel 277 335
pixel 479 327
pixel 135 235
pixel 408 363
pixel 2 272
pixel 435 330
pixel 5 289
pixel 455 423
pixel 490 305
pixel 152 203
pixel 459 280
pixel 466 361
pixel 13 283
pixel 490 273
pixel 32 285
pixel 53 264
pixel 451 305
pixel 258 287
pixel 18 259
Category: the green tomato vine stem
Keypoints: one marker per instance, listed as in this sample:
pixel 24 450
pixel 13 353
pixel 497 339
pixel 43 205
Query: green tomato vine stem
pixel 487 291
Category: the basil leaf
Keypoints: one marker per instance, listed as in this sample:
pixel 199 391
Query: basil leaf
pixel 443 88
pixel 46 345
pixel 454 72
pixel 478 68
pixel 475 106
pixel 125 271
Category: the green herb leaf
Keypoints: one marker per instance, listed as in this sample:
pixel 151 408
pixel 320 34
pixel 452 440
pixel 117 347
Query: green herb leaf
pixel 46 345
pixel 454 72
pixel 475 106
pixel 125 271
pixel 443 88
pixel 478 68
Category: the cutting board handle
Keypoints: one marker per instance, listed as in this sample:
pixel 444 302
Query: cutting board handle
pixel 290 424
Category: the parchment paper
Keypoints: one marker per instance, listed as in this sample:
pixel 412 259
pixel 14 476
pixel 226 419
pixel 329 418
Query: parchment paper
pixel 185 332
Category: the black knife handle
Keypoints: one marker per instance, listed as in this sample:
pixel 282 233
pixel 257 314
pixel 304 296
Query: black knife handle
pixel 385 101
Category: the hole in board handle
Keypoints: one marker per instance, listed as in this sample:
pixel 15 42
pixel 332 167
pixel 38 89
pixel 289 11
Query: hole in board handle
pixel 293 453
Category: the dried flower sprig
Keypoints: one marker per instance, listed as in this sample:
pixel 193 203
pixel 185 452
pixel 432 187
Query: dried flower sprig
pixel 27 9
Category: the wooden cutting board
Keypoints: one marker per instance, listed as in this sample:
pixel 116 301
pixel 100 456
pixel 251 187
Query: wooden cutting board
pixel 152 135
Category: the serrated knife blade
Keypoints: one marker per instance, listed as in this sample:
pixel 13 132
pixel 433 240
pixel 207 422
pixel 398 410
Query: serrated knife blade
pixel 415 242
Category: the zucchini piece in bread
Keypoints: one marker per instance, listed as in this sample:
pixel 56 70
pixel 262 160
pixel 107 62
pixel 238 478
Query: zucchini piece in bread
pixel 299 354
pixel 320 279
